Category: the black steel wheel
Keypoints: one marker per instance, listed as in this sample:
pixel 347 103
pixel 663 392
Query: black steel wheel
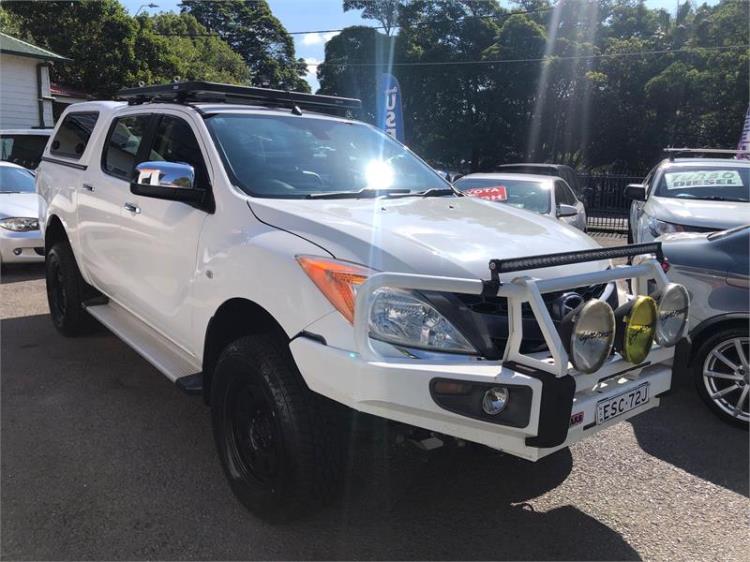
pixel 65 291
pixel 281 445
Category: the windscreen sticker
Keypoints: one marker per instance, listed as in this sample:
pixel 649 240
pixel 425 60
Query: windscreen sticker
pixel 703 178
pixel 497 193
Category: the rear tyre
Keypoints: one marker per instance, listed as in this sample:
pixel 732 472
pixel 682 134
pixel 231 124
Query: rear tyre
pixel 66 291
pixel 721 375
pixel 280 444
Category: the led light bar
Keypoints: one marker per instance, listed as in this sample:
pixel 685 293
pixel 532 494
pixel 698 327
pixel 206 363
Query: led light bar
pixel 200 91
pixel 566 258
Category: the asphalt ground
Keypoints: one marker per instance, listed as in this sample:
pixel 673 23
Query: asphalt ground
pixel 102 458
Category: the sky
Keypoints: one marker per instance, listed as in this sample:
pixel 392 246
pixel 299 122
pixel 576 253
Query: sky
pixel 314 15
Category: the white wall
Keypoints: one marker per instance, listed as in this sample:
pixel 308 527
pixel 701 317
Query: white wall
pixel 19 93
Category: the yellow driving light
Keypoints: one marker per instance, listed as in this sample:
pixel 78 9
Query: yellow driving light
pixel 587 333
pixel 672 314
pixel 636 326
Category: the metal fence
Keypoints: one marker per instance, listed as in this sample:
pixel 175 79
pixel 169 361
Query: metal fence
pixel 607 207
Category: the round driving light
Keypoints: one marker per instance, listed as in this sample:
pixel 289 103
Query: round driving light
pixel 495 400
pixel 588 333
pixel 636 325
pixel 671 314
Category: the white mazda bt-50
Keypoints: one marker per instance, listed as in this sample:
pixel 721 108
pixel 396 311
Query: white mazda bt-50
pixel 290 264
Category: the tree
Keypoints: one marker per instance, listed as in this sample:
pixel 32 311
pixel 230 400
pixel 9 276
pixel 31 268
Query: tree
pixel 176 45
pixel 384 11
pixel 251 30
pixel 111 50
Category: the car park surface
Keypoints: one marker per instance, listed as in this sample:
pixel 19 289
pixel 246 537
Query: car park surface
pixel 105 459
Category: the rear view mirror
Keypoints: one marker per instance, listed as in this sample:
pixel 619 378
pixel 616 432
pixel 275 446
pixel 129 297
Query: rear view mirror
pixel 174 181
pixel 564 210
pixel 636 191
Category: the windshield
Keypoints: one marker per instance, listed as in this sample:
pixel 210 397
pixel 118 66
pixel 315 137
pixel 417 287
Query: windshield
pixel 14 180
pixel 718 182
pixel 524 194
pixel 24 150
pixel 294 157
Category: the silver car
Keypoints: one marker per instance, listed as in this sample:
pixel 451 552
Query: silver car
pixel 546 195
pixel 690 195
pixel 715 270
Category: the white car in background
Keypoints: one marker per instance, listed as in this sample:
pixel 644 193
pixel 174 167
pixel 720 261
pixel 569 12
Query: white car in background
pixel 23 146
pixel 545 195
pixel 20 237
pixel 690 195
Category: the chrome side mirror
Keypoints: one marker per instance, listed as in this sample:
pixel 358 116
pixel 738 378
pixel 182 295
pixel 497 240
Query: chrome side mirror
pixel 175 175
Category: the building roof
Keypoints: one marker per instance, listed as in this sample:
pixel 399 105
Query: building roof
pixel 14 46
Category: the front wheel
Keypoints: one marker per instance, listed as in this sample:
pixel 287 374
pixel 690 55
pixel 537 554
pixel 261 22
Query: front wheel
pixel 280 444
pixel 721 374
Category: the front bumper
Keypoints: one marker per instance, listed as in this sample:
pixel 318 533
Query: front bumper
pixel 21 247
pixel 559 403
pixel 399 390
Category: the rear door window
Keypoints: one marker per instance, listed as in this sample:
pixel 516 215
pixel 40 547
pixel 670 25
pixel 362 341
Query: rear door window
pixel 73 134
pixel 123 143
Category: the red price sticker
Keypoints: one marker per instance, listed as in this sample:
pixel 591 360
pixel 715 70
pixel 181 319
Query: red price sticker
pixel 496 193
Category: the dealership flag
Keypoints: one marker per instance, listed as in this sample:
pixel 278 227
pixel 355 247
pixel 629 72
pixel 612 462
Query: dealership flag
pixel 744 144
pixel 390 116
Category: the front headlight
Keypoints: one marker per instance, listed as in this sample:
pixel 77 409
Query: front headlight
pixel 657 227
pixel 588 333
pixel 402 318
pixel 20 224
pixel 671 313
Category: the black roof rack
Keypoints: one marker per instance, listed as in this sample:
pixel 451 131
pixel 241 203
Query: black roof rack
pixel 673 152
pixel 199 91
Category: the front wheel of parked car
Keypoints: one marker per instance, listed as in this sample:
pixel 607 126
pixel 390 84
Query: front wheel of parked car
pixel 66 291
pixel 281 445
pixel 720 369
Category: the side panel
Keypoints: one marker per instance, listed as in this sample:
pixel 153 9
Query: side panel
pixel 257 262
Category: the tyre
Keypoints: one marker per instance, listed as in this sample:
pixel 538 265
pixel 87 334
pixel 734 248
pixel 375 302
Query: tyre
pixel 66 291
pixel 280 444
pixel 720 370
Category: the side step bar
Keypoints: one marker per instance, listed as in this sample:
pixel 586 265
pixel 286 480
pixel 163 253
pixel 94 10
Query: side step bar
pixel 179 367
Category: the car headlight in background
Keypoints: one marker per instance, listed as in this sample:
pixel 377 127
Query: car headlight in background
pixel 588 333
pixel 337 280
pixel 636 325
pixel 671 313
pixel 657 227
pixel 402 318
pixel 20 224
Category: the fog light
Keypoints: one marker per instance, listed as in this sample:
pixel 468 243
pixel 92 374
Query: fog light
pixel 495 400
pixel 672 314
pixel 636 324
pixel 17 251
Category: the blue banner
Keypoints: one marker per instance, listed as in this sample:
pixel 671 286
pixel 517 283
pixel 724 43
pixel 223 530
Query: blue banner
pixel 389 114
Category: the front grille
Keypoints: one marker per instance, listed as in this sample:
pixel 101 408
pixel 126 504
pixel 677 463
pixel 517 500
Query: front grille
pixel 492 312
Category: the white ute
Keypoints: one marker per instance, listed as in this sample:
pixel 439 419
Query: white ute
pixel 284 262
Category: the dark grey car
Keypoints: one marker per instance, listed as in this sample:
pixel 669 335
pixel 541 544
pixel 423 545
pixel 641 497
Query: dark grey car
pixel 715 269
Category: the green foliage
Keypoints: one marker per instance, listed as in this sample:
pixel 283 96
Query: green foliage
pixel 252 31
pixel 383 11
pixel 618 81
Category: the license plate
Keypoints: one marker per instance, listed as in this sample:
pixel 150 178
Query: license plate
pixel 624 402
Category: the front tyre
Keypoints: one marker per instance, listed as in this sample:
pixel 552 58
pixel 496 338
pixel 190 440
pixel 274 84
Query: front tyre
pixel 66 291
pixel 280 444
pixel 721 374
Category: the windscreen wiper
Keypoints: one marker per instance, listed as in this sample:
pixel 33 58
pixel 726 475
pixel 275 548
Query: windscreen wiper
pixel 432 192
pixel 364 193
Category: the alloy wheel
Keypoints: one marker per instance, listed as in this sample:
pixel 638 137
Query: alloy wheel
pixel 726 375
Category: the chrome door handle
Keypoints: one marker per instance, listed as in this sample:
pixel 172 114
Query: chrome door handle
pixel 88 187
pixel 132 208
